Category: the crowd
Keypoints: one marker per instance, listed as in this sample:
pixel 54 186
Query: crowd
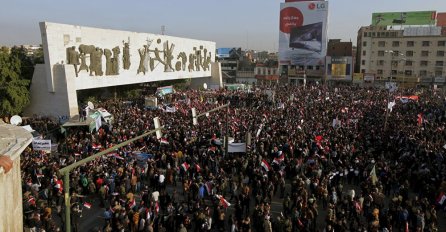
pixel 324 152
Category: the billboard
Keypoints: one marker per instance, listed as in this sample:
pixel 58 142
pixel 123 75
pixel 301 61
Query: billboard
pixel 404 18
pixel 339 67
pixel 441 19
pixel 303 33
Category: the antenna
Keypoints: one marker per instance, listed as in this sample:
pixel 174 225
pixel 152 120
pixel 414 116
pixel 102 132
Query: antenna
pixel 163 29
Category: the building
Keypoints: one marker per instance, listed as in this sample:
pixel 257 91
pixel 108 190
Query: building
pixel 339 61
pixel 407 55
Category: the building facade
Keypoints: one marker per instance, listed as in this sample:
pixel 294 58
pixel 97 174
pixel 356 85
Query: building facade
pixel 409 56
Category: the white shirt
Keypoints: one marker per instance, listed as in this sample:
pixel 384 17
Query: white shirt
pixel 161 178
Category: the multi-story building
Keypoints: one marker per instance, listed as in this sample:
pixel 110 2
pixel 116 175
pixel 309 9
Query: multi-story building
pixel 408 55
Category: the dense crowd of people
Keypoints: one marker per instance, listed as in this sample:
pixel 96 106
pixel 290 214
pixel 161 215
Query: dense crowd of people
pixel 337 159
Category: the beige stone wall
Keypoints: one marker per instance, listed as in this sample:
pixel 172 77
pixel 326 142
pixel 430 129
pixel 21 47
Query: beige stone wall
pixel 11 211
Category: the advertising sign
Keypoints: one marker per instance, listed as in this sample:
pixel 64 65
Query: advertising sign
pixel 303 33
pixel 441 20
pixel 339 67
pixel 41 145
pixel 358 76
pixel 404 18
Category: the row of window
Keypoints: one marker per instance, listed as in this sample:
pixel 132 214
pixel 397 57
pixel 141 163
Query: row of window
pixel 438 63
pixel 425 43
pixel 422 73
pixel 408 53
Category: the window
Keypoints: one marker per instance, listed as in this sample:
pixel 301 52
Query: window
pixel 363 62
pixel 395 53
pixel 441 43
pixel 409 53
pixel 363 53
pixel 394 72
pixel 423 73
pixel 394 63
pixel 364 44
pixel 425 44
pixel 410 43
pixel 362 70
pixel 424 53
pixel 440 53
pixel 423 63
pixel 439 63
pixel 395 43
pixel 380 62
pixel 380 53
pixel 365 34
pixel 408 72
pixel 381 43
pixel 408 63
pixel 380 71
pixel 438 73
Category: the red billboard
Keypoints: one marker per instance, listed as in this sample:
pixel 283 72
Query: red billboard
pixel 301 0
pixel 441 19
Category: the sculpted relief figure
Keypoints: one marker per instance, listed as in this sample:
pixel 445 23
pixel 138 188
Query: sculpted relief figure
pixel 73 58
pixel 115 60
pixel 181 65
pixel 142 56
pixel 108 62
pixel 84 65
pixel 198 58
pixel 96 62
pixel 192 56
pixel 168 57
pixel 126 56
pixel 206 60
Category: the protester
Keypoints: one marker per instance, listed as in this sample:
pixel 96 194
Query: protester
pixel 337 151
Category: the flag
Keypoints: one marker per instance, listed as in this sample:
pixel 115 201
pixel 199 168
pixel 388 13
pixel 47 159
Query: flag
pixel 265 165
pixel 373 176
pixel 164 141
pixel 280 159
pixel 157 207
pixel 441 198
pixel 98 123
pixel 171 109
pixel 420 119
pixel 197 167
pixel 132 203
pixel 391 105
pixel 208 186
pixel 185 166
pixel 87 205
pixel 96 146
pixel 223 201
pixel 116 155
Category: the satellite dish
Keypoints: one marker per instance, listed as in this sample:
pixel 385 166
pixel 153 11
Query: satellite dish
pixel 90 105
pixel 16 120
pixel 205 86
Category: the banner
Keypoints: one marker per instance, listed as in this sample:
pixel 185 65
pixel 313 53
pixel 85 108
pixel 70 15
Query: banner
pixel 41 145
pixel 303 33
pixel 404 18
pixel 237 147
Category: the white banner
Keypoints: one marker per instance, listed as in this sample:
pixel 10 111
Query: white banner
pixel 237 147
pixel 41 145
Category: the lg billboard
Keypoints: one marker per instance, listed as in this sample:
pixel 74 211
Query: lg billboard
pixel 303 33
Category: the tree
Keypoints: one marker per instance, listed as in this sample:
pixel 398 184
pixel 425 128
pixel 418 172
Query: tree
pixel 14 93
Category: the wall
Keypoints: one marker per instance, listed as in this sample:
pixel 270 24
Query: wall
pixel 151 58
pixel 12 143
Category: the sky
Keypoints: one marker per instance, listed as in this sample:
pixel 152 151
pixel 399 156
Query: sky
pixel 250 24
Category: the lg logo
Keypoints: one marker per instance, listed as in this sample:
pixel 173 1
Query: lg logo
pixel 313 6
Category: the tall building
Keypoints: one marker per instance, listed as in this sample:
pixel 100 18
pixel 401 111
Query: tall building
pixel 407 55
pixel 339 61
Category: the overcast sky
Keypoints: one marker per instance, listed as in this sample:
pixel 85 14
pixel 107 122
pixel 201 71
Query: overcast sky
pixel 252 24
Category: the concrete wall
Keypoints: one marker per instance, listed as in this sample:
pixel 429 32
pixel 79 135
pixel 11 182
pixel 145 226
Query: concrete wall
pixel 54 84
pixel 13 140
pixel 213 81
pixel 11 213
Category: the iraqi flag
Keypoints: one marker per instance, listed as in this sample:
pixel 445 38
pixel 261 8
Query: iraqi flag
pixel 208 186
pixel 185 166
pixel 223 201
pixel 96 146
pixel 157 207
pixel 265 165
pixel 441 198
pixel 164 141
pixel 420 119
pixel 132 204
pixel 279 160
pixel 87 205
pixel 197 167
pixel 116 155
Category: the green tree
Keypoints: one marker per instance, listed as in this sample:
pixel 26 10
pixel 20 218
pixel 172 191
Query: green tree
pixel 14 93
pixel 26 62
